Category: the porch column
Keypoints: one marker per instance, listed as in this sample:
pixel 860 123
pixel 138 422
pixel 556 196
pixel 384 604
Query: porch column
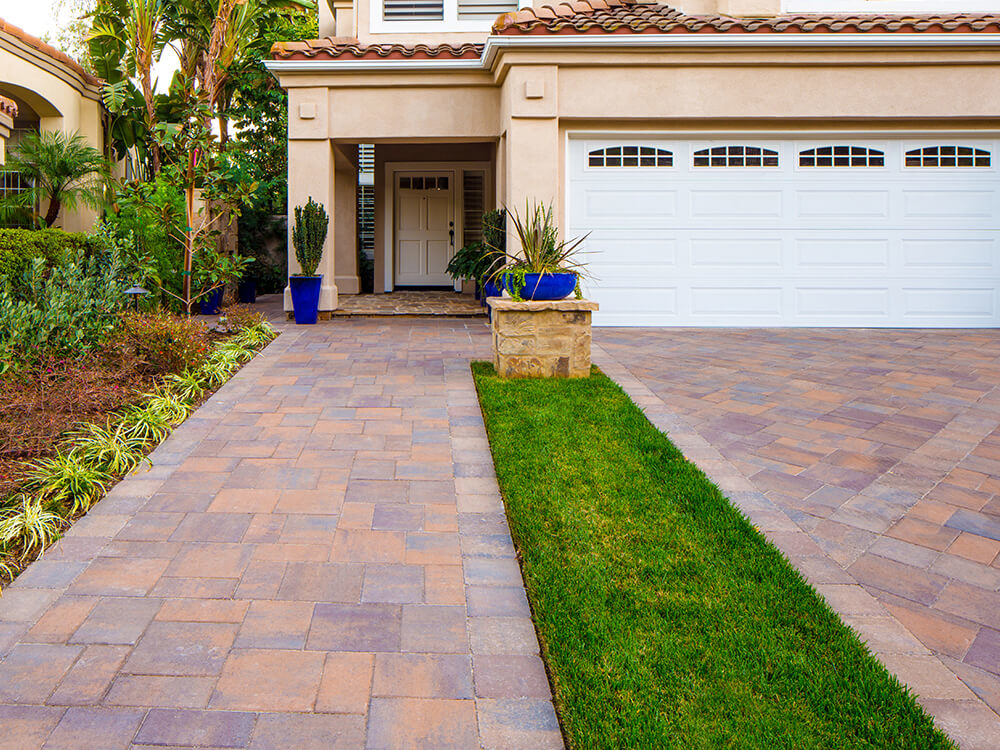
pixel 532 147
pixel 311 174
pixel 346 227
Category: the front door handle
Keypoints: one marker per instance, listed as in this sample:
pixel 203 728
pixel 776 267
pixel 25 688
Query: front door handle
pixel 451 233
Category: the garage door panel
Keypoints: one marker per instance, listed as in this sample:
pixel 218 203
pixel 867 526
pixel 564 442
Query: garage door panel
pixel 883 244
pixel 825 303
pixel 956 204
pixel 847 253
pixel 736 204
pixel 948 254
pixel 843 203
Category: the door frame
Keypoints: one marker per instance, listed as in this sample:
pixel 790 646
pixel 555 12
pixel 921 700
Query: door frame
pixel 458 196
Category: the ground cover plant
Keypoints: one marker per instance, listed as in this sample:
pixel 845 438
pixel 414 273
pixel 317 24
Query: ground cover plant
pixel 666 620
pixel 72 426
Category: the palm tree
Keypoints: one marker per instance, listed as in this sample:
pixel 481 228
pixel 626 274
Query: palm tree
pixel 138 26
pixel 62 170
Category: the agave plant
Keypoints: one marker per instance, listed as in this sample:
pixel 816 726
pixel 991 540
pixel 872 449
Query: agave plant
pixel 112 447
pixel 151 422
pixel 187 385
pixel 168 405
pixel 29 526
pixel 69 479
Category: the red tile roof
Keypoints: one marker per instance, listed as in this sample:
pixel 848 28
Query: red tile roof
pixel 48 50
pixel 631 17
pixel 341 48
pixel 8 107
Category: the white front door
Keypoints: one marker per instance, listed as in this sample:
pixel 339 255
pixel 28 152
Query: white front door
pixel 424 227
pixel 807 231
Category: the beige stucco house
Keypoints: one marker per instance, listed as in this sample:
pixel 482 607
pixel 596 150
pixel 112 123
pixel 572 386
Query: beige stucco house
pixel 731 165
pixel 51 91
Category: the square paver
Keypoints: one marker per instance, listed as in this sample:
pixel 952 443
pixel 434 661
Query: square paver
pixel 269 680
pixel 191 728
pixel 355 627
pixel 182 648
pixel 423 676
pixel 275 624
pixel 95 729
pixel 416 723
pixel 346 684
pixel 306 732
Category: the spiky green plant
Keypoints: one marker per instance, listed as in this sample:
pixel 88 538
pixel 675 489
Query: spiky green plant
pixel 8 568
pixel 187 385
pixel 256 336
pixel 166 405
pixel 308 235
pixel 236 349
pixel 152 421
pixel 67 478
pixel 29 527
pixel 112 447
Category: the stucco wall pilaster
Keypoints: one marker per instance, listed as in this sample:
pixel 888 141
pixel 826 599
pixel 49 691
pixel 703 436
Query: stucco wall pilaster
pixel 531 145
pixel 346 219
pixel 311 174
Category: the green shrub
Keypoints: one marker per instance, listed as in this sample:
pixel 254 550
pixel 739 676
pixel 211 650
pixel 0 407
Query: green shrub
pixel 308 236
pixel 164 342
pixel 20 247
pixel 65 311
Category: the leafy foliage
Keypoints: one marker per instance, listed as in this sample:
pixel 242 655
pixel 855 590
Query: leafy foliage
pixel 308 235
pixel 28 526
pixel 164 342
pixel 62 169
pixel 68 479
pixel 112 448
pixel 68 311
pixel 20 247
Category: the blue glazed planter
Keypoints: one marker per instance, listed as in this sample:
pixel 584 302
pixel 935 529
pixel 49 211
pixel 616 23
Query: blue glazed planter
pixel 548 286
pixel 248 292
pixel 211 302
pixel 305 297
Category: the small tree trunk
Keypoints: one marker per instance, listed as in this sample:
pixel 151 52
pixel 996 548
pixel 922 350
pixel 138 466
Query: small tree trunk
pixel 53 213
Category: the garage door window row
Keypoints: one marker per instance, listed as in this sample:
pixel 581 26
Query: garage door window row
pixel 820 156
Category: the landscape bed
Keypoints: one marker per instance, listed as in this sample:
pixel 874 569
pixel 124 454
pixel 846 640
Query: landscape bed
pixel 665 618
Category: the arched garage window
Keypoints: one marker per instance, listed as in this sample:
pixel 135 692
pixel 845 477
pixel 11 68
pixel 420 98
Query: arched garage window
pixel 735 156
pixel 842 156
pixel 947 156
pixel 630 156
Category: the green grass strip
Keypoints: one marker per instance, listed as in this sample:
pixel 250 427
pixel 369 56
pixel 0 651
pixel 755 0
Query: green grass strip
pixel 666 619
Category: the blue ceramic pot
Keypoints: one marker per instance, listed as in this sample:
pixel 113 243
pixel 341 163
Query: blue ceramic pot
pixel 248 291
pixel 545 286
pixel 211 302
pixel 305 297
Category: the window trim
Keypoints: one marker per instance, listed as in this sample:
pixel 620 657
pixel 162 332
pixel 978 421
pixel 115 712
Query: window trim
pixel 451 22
pixel 601 152
pixel 918 153
pixel 869 153
pixel 765 152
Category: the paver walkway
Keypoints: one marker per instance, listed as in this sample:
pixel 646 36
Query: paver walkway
pixel 318 559
pixel 872 459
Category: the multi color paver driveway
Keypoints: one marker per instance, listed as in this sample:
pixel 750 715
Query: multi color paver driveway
pixel 318 559
pixel 872 459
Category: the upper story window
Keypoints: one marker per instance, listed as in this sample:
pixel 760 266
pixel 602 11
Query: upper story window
pixel 947 156
pixel 842 156
pixel 443 15
pixel 735 156
pixel 630 156
pixel 413 10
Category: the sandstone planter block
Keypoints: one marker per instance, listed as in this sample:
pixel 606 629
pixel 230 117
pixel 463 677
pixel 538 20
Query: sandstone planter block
pixel 541 339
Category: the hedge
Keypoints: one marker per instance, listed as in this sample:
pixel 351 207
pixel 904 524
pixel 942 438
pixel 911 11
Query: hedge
pixel 19 248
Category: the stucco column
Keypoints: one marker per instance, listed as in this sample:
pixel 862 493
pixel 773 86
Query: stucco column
pixel 532 149
pixel 346 225
pixel 311 171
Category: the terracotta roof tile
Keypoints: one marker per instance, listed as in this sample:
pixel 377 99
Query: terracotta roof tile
pixel 8 107
pixel 631 17
pixel 341 48
pixel 46 49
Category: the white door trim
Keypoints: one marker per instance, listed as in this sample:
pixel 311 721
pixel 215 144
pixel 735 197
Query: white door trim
pixel 389 204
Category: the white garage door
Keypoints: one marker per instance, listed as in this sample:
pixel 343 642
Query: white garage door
pixel 789 233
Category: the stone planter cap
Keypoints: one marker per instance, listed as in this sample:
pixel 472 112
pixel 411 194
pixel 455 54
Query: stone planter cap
pixel 563 305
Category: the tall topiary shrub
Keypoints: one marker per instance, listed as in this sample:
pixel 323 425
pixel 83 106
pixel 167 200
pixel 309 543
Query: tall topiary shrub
pixel 308 236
